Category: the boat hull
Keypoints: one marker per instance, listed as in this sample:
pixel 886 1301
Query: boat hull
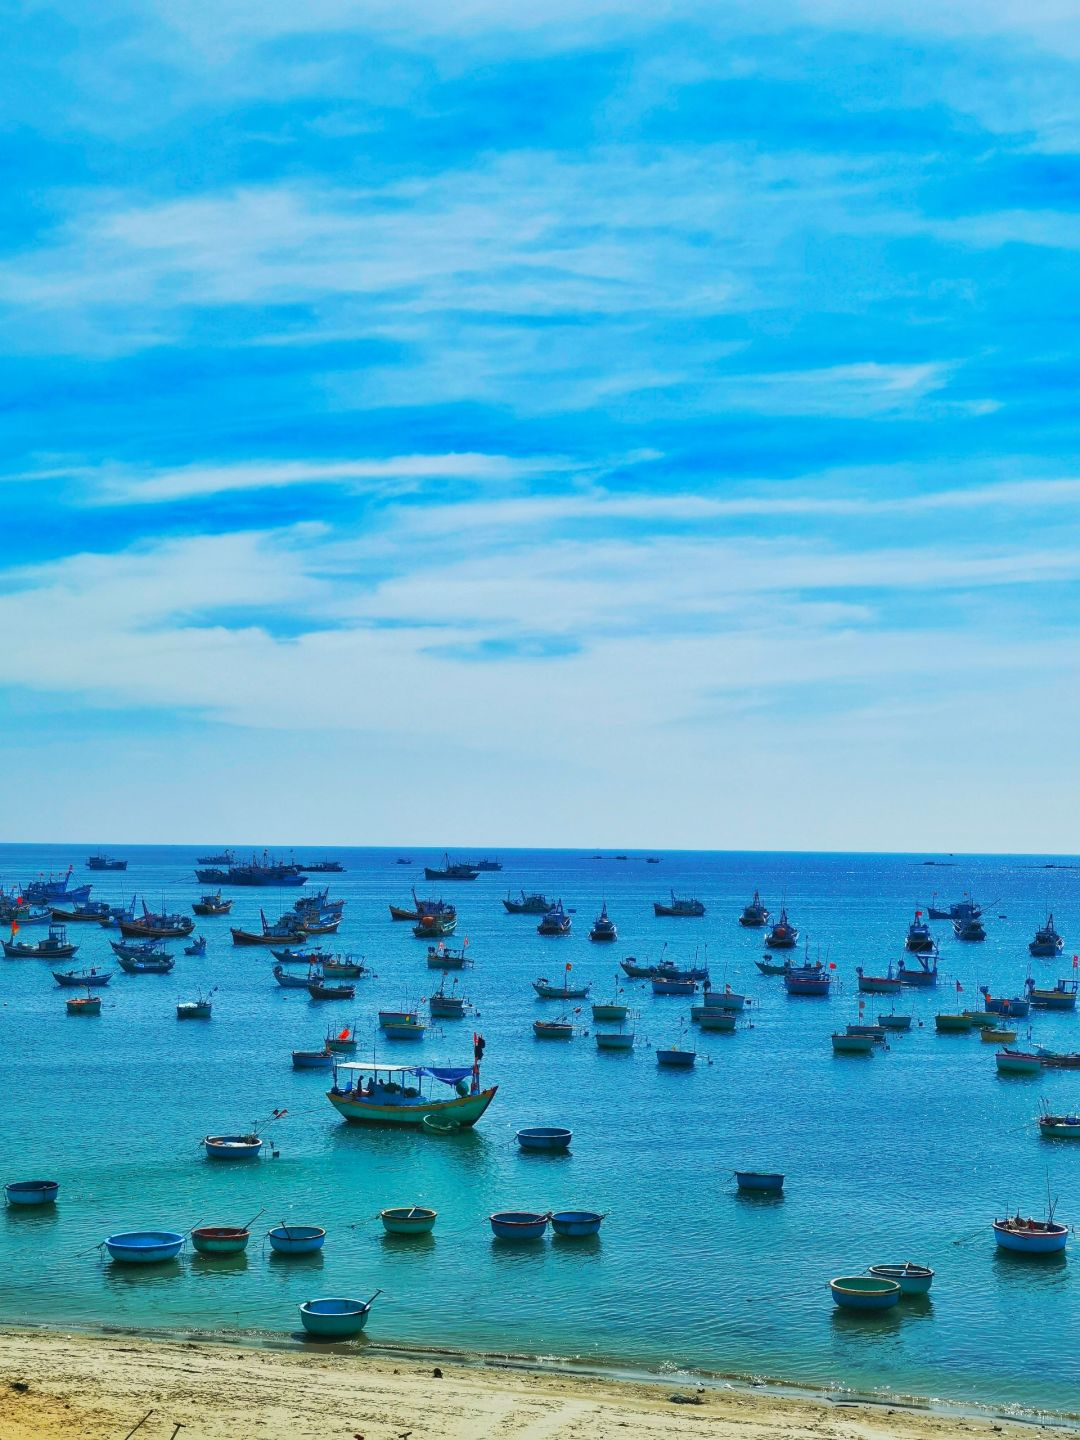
pixel 408 1220
pixel 1031 1243
pixel 853 1044
pixel 614 1040
pixel 768 1182
pixel 296 1239
pixel 862 1292
pixel 1018 1064
pixel 676 1059
pixel 220 1239
pixel 144 1247
pixel 334 1319
pixel 518 1225
pixel 464 1111
pixel 576 1224
pixel 31 1192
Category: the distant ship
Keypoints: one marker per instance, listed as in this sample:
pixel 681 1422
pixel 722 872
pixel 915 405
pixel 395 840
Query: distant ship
pixel 258 871
pixel 225 858
pixel 535 904
pixel 105 862
pixel 678 907
pixel 755 914
pixel 451 870
pixel 323 867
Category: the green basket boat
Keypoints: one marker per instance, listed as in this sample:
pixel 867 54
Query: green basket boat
pixel 220 1239
pixel 408 1220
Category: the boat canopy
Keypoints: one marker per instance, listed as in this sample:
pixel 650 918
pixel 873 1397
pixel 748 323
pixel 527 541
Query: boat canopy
pixel 448 1074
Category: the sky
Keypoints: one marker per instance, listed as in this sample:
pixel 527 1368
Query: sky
pixel 563 424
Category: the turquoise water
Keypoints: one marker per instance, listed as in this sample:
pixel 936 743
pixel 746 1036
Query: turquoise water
pixel 905 1155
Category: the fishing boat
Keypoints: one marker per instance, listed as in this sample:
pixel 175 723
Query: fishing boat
pixel 888 984
pixel 970 930
pixel 295 955
pixel 676 1058
pixel 226 857
pixel 31 1192
pixel 671 985
pixel 142 950
pixel 378 1094
pixel 982 1019
pixel 535 904
pixel 1061 997
pixel 82 979
pixel 261 870
pixel 717 1021
pixel 55 946
pixel 603 927
pixel 548 991
pixel 83 912
pixel 43 891
pixel 894 1022
pixel 610 1010
pixel 197 946
pixel 441 957
pixel 1058 1127
pixel 755 914
pixel 159 964
pixel 212 904
pixel 233 1147
pixel 518 1224
pixel 434 925
pixel 156 926
pixel 994 1036
pixel 614 1039
pixel 965 909
pixel 319 990
pixel 408 1027
pixel 486 865
pixel 679 908
pixel 1018 1062
pixel 919 940
pixel 13 911
pixel 808 979
pixel 84 1005
pixel 1058 1059
pixel 200 1008
pixel 1047 941
pixel 864 1292
pixel 293 982
pixel 451 870
pixel 768 966
pixel 323 867
pixel 783 935
pixel 1016 1007
pixel 1031 1237
pixel 442 1006
pixel 343 968
pixel 296 1239
pixel 768 1182
pixel 321 924
pixel 953 1024
pixel 922 975
pixel 336 1318
pixel 876 1032
pixel 912 1279
pixel 105 862
pixel 402 860
pixel 313 1059
pixel 286 930
pixel 845 1044
pixel 555 922
pixel 553 1029
pixel 398 913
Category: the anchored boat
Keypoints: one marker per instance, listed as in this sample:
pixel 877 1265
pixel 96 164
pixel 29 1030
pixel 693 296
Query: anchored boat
pixel 1047 941
pixel 919 939
pixel 555 922
pixel 1061 997
pixel 755 914
pixel 681 908
pixel 378 1094
pixel 783 935
pixel 603 927
pixel 55 946
pixel 1030 1237
pixel 535 904
pixel 213 904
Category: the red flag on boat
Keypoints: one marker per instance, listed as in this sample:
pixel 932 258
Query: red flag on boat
pixel 832 964
pixel 15 930
pixel 344 1034
pixel 466 941
pixel 959 988
pixel 569 967
pixel 1076 962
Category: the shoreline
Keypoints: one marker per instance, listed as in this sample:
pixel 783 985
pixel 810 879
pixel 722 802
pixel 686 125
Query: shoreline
pixel 98 1371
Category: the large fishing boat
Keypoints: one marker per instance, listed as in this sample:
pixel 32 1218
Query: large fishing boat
pixel 156 926
pixel 965 909
pixel 323 867
pixel 213 904
pixel 105 862
pixel 286 930
pixel 921 975
pixel 451 870
pixel 755 914
pixel 969 929
pixel 888 984
pixel 679 907
pixel 434 924
pixel 1047 941
pixel 260 870
pixel 54 946
pixel 555 922
pixel 44 890
pixel 919 939
pixel 378 1094
pixel 226 857
pixel 783 935
pixel 535 904
pixel 83 912
pixel 603 927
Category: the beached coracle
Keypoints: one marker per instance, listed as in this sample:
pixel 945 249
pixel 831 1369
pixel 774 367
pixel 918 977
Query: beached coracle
pixel 408 1220
pixel 336 1319
pixel 864 1292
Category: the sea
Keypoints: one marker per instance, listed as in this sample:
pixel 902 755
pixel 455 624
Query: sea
pixel 906 1154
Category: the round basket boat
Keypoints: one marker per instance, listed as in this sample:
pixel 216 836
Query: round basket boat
pixel 408 1220
pixel 518 1224
pixel 144 1247
pixel 544 1137
pixel 912 1279
pixel 436 1125
pixel 335 1319
pixel 767 1181
pixel 232 1147
pixel 31 1192
pixel 220 1239
pixel 575 1224
pixel 864 1292
pixel 296 1239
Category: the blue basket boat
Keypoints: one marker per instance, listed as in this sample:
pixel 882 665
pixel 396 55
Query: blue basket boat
pixel 1030 1237
pixel 296 1239
pixel 233 1147
pixel 544 1137
pixel 313 1059
pixel 518 1224
pixel 676 1059
pixel 31 1192
pixel 759 1180
pixel 144 1247
pixel 912 1279
pixel 336 1319
pixel 576 1223
pixel 864 1292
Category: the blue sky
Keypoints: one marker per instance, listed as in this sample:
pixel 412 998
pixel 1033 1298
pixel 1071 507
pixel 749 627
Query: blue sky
pixel 606 424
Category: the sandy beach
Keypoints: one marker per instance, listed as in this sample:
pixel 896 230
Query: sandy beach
pixel 73 1385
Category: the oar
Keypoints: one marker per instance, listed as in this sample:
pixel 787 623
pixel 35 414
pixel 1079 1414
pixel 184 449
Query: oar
pixel 251 1222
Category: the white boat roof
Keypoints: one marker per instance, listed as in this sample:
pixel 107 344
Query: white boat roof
pixel 367 1068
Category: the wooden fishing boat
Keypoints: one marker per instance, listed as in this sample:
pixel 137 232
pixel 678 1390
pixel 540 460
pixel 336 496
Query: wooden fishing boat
pixel 435 926
pixel 921 975
pixel 319 990
pixel 894 1022
pixel 1059 1127
pixel 1058 1059
pixel 232 1147
pixel 969 930
pixel 535 904
pixel 555 922
pixel 82 979
pixel 783 935
pixel 441 957
pixel 1061 997
pixel 808 979
pixel 323 925
pixel 323 867
pixel 726 999
pixel 688 908
pixel 200 1009
pixel 197 947
pixel 144 1247
pixel 146 964
pixel 334 1318
pixel 139 950
pixel 442 1006
pixel 982 1019
pixel 343 969
pixel 408 1220
pixel 990 1035
pixel 298 955
pixel 85 912
pixel 960 910
pixel 768 966
pixel 214 904
pixel 544 1137
pixel 1018 1062
pixel 768 1182
pixel 608 1011
pixel 603 927
pixel 343 1043
pixel 912 1279
pixel 1016 1007
pixel 676 1059
pixel 888 984
pixel 919 940
pixel 553 1029
pixel 547 991
pixel 864 1292
pixel 398 913
pixel 220 1239
pixel 451 870
pixel 950 1024
pixel 632 968
pixel 313 1059
pixel 105 862
pixel 718 1021
pixel 379 1094
pixel 157 926
pixel 55 946
pixel 755 914
pixel 1030 1237
pixel 285 931
pixel 292 982
pixel 845 1044
pixel 411 1029
pixel 1047 941
pixel 663 985
pixel 84 1005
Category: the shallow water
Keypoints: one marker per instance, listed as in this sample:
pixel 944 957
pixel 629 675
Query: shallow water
pixel 903 1155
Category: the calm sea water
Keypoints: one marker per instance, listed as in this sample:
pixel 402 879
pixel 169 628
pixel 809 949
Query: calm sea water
pixel 905 1155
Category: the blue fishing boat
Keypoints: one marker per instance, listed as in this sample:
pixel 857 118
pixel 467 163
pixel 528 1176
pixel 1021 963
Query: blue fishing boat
pixel 335 1319
pixel 921 975
pixel 864 1292
pixel 1030 1237
pixel 676 1059
pixel 146 964
pixel 544 1137
pixel 970 930
pixel 299 956
pixel 293 982
pixel 965 909
pixel 157 925
pixel 447 1006
pixel 555 922
pixel 767 1181
pixel 83 912
pixel 1018 1062
pixel 144 1247
pixel 755 914
pixel 31 1192
pixel 518 1224
pixel 690 908
pixel 1016 1007
pixel 412 1028
pixel 139 950
pixel 55 946
pixel 233 1147
pixel 576 1224
pixel 614 1039
pixel 197 946
pixel 662 985
pixel 919 939
pixel 845 1044
pixel 82 979
pixel 534 904
pixel 1047 941
pixel 442 957
pixel 783 935
pixel 894 1022
pixel 43 891
pixel 808 979
pixel 603 927
pixel 212 904
pixel 296 1239
pixel 547 991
